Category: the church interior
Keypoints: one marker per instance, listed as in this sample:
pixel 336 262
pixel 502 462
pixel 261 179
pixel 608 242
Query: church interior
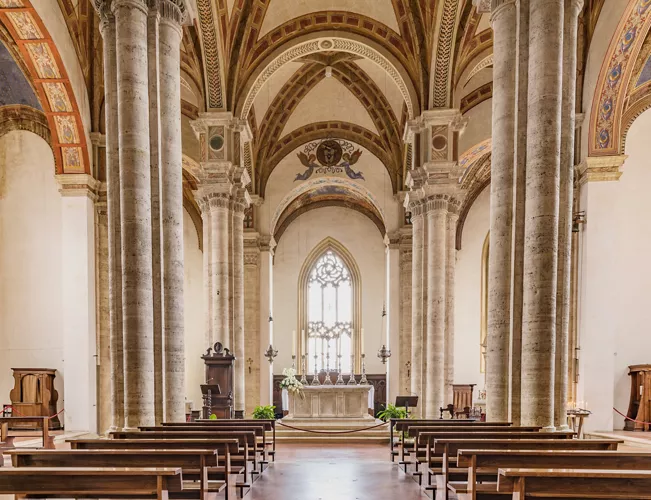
pixel 319 249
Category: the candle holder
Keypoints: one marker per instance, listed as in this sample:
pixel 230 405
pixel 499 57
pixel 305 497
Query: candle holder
pixel 303 370
pixel 327 378
pixel 340 377
pixel 351 380
pixel 315 380
pixel 294 362
pixel 363 380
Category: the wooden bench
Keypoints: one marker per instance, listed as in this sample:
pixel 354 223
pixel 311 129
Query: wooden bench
pixel 442 454
pixel 220 445
pixel 271 423
pixel 575 483
pixel 402 425
pixel 43 422
pixel 194 464
pixel 90 482
pixel 488 462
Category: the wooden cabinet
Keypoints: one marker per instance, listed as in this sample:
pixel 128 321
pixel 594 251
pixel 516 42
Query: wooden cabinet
pixel 34 395
pixel 219 372
pixel 639 406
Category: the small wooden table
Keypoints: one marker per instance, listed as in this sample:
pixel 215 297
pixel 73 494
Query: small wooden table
pixel 43 422
pixel 575 420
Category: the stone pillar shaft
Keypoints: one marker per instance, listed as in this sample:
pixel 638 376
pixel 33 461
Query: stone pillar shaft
pixel 417 313
pixel 107 27
pixel 255 363
pixel 135 198
pixel 450 268
pixel 436 274
pixel 219 216
pixel 238 307
pixel 503 19
pixel 406 352
pixel 563 293
pixel 208 302
pixel 541 214
pixel 171 184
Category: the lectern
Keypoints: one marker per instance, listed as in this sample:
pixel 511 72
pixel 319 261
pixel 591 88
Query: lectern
pixel 218 389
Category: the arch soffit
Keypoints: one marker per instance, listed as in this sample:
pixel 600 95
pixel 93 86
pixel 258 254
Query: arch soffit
pixel 607 135
pixel 321 130
pixel 336 183
pixel 327 41
pixel 21 117
pixel 52 84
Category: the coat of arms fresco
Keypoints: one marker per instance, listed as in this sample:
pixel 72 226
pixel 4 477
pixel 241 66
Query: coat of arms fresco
pixel 331 156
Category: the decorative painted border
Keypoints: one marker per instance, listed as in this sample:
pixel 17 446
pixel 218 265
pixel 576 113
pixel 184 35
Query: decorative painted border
pixel 317 183
pixel 609 100
pixel 472 155
pixel 51 83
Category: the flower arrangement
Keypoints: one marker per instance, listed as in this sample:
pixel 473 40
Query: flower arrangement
pixel 291 383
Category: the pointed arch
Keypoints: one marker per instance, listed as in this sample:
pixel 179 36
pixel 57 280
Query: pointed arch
pixel 330 244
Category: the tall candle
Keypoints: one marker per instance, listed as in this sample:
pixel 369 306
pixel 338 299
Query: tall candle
pixel 294 343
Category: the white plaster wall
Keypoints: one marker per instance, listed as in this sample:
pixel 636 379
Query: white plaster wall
pixel 271 88
pixel 30 260
pixel 615 274
pixel 377 181
pixel 479 125
pixel 467 293
pixel 363 240
pixel 193 315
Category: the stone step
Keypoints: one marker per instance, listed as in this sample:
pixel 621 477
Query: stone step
pixel 313 438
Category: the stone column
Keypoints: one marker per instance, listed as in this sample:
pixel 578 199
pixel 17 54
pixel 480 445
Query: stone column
pixel 252 320
pixel 208 301
pixel 563 292
pixel 503 20
pixel 107 28
pixel 104 416
pixel 541 215
pixel 437 207
pixel 267 245
pixel 153 66
pixel 171 203
pixel 79 192
pixel 406 249
pixel 239 205
pixel 417 312
pixel 450 269
pixel 392 320
pixel 519 182
pixel 219 219
pixel 135 197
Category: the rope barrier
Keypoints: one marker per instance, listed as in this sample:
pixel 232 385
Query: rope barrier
pixel 13 410
pixel 314 431
pixel 631 419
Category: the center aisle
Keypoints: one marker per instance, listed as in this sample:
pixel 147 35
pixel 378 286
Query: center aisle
pixel 334 472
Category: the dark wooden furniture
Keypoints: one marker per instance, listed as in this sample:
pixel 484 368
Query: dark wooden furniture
pixel 34 395
pixel 198 465
pixel 271 423
pixel 487 463
pixel 219 372
pixel 462 399
pixel 90 482
pixel 378 381
pixel 639 406
pixel 575 483
pixel 15 422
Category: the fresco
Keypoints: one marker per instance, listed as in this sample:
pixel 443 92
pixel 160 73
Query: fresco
pixel 14 86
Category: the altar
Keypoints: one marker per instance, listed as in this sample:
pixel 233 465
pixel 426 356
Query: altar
pixel 349 402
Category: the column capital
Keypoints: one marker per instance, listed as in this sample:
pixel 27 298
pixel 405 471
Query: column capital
pixel 79 185
pixel 98 139
pixel 601 168
pixel 497 6
pixel 174 11
pixel 482 6
pixel 137 4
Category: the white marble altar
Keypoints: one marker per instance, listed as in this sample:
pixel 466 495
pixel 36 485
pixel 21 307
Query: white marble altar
pixel 350 402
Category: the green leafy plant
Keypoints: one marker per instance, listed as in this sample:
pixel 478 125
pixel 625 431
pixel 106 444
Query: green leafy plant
pixel 213 416
pixel 264 412
pixel 392 411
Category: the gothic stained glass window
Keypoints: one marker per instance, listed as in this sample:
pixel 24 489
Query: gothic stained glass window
pixel 329 313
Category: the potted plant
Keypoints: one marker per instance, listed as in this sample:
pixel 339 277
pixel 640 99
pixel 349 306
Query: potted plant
pixel 392 411
pixel 267 412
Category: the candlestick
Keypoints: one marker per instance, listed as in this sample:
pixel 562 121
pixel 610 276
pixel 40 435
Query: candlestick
pixel 340 377
pixel 315 380
pixel 363 380
pixel 294 362
pixel 303 370
pixel 327 377
pixel 351 380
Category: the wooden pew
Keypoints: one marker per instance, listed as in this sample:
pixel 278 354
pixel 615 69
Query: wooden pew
pixel 402 425
pixel 575 483
pixel 259 429
pixel 442 453
pixel 90 482
pixel 174 444
pixel 271 423
pixel 194 464
pixel 44 423
pixel 246 436
pixel 487 463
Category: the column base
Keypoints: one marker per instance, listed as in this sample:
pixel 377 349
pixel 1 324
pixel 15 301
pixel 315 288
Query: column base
pixel 239 414
pixel 550 428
